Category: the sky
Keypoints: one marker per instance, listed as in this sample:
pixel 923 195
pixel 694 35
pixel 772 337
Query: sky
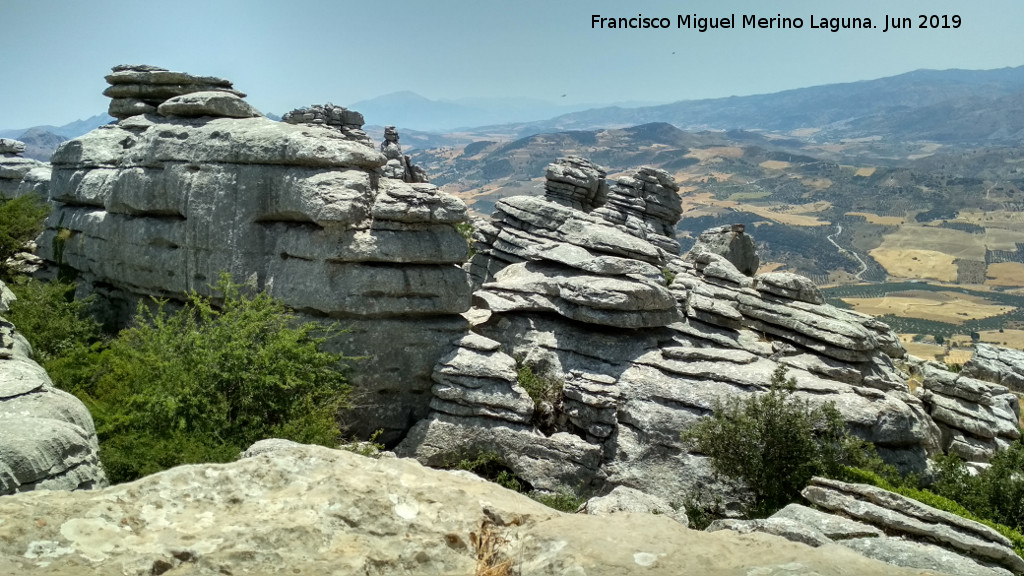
pixel 291 54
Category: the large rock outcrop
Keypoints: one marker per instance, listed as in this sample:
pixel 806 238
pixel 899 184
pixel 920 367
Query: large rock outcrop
pixel 888 527
pixel 311 510
pixel 47 438
pixel 977 418
pixel 160 203
pixel 20 175
pixel 644 344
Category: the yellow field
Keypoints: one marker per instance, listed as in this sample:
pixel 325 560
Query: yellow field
pixel 994 219
pixel 769 267
pixel 775 165
pixel 954 243
pixel 916 263
pixel 880 220
pixel 1008 338
pixel 950 307
pixel 703 154
pixel 865 172
pixel 785 217
pixel 1005 274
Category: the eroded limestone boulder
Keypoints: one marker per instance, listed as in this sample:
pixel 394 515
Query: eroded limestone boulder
pixel 47 437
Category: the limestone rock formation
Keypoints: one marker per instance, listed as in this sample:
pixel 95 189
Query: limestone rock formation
pixel 312 510
pixel 623 499
pixel 161 204
pixel 887 527
pixel 643 343
pixel 48 439
pixel 1004 366
pixel 399 166
pixel 977 418
pixel 733 243
pixel 348 122
pixel 136 89
pixel 19 175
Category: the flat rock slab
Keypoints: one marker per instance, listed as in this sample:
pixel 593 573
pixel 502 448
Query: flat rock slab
pixel 320 511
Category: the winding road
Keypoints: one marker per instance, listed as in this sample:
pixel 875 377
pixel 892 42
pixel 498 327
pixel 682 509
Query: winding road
pixel 863 265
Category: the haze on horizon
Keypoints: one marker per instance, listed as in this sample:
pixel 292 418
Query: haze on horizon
pixel 286 55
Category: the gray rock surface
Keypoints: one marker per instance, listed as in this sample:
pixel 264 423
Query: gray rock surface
pixel 977 418
pixel 399 166
pixel 161 205
pixel 141 89
pixel 48 439
pixel 624 499
pixel 19 175
pixel 997 364
pixel 567 288
pixel 348 122
pixel 212 103
pixel 733 243
pixel 900 516
pixel 312 510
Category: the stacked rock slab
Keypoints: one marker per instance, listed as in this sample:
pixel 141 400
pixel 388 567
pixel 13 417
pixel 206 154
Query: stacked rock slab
pixel 348 122
pixel 589 303
pixel 645 203
pixel 19 175
pixel 141 89
pixel 161 204
pixel 49 442
pixel 733 243
pixel 399 166
pixel 890 528
pixel 977 418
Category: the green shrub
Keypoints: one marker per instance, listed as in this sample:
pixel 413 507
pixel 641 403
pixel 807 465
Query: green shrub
pixel 21 220
pixel 561 501
pixel 774 443
pixel 542 388
pixel 996 492
pixel 52 320
pixel 202 383
pixel 466 230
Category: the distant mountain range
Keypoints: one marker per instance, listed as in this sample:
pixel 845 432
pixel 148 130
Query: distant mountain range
pixel 412 111
pixel 41 141
pixel 947 106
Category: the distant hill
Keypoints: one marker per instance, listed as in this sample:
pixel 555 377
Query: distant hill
pixel 954 106
pixel 41 141
pixel 410 110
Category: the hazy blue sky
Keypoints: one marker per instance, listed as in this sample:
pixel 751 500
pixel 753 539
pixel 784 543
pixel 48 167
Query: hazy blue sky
pixel 290 54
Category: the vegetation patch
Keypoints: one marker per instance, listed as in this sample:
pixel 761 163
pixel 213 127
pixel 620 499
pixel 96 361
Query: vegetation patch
pixel 196 385
pixel 21 220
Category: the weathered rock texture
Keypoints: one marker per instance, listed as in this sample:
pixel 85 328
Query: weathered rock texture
pixel 310 510
pixel 1004 366
pixel 348 122
pixel 47 438
pixel 161 204
pixel 141 89
pixel 887 527
pixel 19 175
pixel 731 242
pixel 399 166
pixel 977 418
pixel 584 298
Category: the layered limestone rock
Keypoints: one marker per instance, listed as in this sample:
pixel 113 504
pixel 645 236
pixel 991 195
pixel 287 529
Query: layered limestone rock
pixel 1003 366
pixel 643 344
pixel 887 527
pixel 141 89
pixel 19 175
pixel 977 418
pixel 733 243
pixel 161 204
pixel 347 122
pixel 48 438
pixel 399 166
pixel 311 510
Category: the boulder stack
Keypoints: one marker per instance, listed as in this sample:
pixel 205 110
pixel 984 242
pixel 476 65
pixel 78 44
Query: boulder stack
pixel 733 244
pixel 399 166
pixel 645 203
pixel 141 89
pixel 347 122
pixel 161 204
pixel 20 175
pixel 577 183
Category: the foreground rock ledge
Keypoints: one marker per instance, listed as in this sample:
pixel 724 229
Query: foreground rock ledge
pixel 311 510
